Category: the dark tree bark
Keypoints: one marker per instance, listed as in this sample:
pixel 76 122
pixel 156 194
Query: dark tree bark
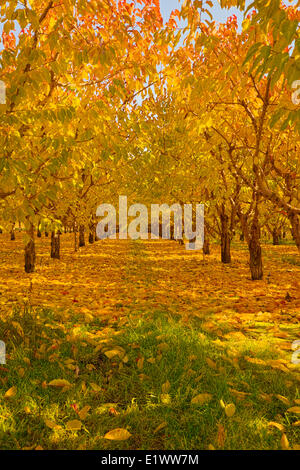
pixel 225 238
pixel 95 234
pixel 295 228
pixel 256 266
pixel 206 247
pixel 275 236
pixel 55 245
pixel 12 234
pixel 46 234
pixel 91 237
pixel 81 236
pixel 30 251
pixel 38 232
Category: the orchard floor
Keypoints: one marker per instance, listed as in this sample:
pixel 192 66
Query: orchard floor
pixel 152 339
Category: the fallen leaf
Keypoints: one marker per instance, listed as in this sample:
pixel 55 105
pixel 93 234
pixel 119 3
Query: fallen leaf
pixel 51 424
pixel 83 412
pixel 230 410
pixel 160 427
pixel 117 434
pixel 11 392
pixel 201 398
pixel 60 383
pixel 284 442
pixel 294 409
pixel 73 425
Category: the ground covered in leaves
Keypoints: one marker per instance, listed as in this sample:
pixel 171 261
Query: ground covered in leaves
pixel 144 345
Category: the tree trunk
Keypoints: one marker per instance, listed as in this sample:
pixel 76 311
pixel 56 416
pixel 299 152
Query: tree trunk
pixel 275 236
pixel 255 251
pixel 91 237
pixel 242 237
pixel 295 228
pixel 55 245
pixel 46 234
pixel 206 248
pixel 12 234
pixel 225 239
pixel 75 240
pixel 95 234
pixel 38 232
pixel 81 235
pixel 30 252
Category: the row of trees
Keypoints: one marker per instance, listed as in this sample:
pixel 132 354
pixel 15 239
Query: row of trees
pixel 104 99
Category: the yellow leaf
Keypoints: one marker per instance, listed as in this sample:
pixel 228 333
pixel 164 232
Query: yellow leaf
pixel 140 363
pixel 211 363
pixel 117 434
pixel 73 425
pixel 283 399
pixel 294 409
pixel 160 426
pixel 284 442
pixel 11 392
pixel 83 412
pixel 201 398
pixel 276 425
pixel 165 387
pixel 51 424
pixel 230 410
pixel 95 387
pixel 165 398
pixel 60 383
pixel 254 360
pixel 112 353
pixel 151 360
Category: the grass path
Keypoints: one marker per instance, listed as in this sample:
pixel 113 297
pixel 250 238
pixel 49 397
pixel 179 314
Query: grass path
pixel 147 337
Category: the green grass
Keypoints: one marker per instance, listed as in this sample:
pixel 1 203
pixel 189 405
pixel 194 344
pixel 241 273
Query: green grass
pixel 125 399
pixel 291 260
